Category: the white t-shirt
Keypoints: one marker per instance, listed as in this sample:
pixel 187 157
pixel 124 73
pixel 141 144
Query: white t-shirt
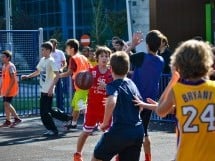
pixel 58 56
pixel 47 67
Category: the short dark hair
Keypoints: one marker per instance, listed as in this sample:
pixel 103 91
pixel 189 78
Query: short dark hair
pixel 8 54
pixel 54 41
pixel 115 38
pixel 120 42
pixel 153 40
pixel 120 63
pixel 47 45
pixel 73 43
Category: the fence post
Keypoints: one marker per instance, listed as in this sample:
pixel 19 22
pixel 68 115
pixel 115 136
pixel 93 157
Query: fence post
pixel 40 39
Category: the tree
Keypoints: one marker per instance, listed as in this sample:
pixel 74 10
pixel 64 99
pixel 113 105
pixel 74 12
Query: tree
pixel 21 21
pixel 117 25
pixel 58 35
pixel 99 24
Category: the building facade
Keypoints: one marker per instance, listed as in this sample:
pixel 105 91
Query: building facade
pixel 61 18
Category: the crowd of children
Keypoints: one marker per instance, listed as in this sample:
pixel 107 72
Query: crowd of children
pixel 122 106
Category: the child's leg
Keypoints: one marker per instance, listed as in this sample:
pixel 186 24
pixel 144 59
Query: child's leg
pixel 145 116
pixel 7 110
pixel 78 103
pixel 80 144
pixel 90 122
pixel 13 111
pixel 75 116
pixel 81 141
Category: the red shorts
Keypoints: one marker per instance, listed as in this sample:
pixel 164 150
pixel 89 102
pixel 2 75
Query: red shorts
pixel 91 121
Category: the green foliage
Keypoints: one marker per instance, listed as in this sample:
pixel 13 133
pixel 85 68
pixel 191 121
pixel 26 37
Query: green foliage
pixel 117 21
pixel 58 35
pixel 21 21
pixel 106 23
pixel 99 24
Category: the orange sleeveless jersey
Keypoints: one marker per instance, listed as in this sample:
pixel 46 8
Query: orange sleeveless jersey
pixel 6 79
pixel 195 111
pixel 82 63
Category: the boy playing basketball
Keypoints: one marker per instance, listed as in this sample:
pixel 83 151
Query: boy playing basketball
pixel 9 88
pixel 95 108
pixel 125 135
pixel 77 63
pixel 193 95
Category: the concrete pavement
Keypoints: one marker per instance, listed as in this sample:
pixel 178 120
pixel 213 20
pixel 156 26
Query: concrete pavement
pixel 26 143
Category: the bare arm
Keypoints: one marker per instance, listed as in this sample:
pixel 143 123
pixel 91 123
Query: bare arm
pixel 65 74
pixel 109 107
pixel 136 40
pixel 34 74
pixel 63 65
pixel 57 75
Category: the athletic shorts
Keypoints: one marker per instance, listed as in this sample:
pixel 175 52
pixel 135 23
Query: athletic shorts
pixel 145 116
pixel 91 121
pixel 7 99
pixel 79 100
pixel 126 142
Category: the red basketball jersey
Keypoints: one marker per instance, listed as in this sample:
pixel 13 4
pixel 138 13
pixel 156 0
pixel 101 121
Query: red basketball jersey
pixel 96 94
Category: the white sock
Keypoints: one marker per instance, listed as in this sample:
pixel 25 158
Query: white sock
pixel 74 122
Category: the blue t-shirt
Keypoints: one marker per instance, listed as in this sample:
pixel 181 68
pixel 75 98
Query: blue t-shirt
pixel 147 74
pixel 125 113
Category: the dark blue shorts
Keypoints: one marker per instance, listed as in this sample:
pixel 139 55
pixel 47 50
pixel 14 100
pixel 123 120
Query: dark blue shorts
pixel 126 142
pixel 145 116
pixel 7 99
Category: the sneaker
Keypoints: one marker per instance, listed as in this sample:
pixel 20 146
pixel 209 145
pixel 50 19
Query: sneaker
pixel 6 124
pixel 67 125
pixel 16 122
pixel 77 157
pixel 71 126
pixel 50 133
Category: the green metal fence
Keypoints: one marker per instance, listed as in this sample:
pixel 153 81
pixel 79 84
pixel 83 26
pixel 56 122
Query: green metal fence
pixel 27 101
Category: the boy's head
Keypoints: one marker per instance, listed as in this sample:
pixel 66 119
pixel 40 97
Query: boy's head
pixel 192 59
pixel 102 49
pixel 72 45
pixel 164 41
pixel 47 45
pixel 153 40
pixel 7 54
pixel 54 43
pixel 85 51
pixel 120 63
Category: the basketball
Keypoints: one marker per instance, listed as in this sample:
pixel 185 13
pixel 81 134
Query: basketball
pixel 84 80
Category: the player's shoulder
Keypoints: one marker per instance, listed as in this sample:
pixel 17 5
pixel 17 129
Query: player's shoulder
pixel 11 64
pixel 51 59
pixel 59 51
pixel 210 83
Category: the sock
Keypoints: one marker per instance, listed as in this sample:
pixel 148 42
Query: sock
pixel 148 157
pixel 74 122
